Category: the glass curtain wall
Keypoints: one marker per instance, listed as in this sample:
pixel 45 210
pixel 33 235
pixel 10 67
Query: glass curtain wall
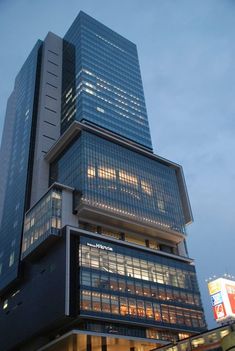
pixel 106 89
pixel 117 282
pixel 120 181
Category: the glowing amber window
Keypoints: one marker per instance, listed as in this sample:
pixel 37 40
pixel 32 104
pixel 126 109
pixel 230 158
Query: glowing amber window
pixel 42 220
pixel 91 172
pixel 106 173
pixel 146 187
pixel 128 178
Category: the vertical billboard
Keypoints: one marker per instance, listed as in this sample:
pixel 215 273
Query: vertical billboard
pixel 222 293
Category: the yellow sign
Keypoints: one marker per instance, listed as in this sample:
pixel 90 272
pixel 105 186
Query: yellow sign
pixel 214 286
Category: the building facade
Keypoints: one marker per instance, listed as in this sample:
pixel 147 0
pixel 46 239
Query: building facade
pixel 92 221
pixel 218 339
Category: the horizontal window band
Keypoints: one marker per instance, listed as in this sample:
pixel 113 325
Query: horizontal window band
pixel 53 74
pixel 53 63
pixel 46 136
pixel 52 124
pixel 51 97
pixel 51 85
pixel 53 52
pixel 49 109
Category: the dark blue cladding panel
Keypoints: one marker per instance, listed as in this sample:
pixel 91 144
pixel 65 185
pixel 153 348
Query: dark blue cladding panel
pixel 38 303
pixel 18 182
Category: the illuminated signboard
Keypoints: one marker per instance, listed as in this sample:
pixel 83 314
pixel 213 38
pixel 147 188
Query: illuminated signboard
pixel 100 246
pixel 222 293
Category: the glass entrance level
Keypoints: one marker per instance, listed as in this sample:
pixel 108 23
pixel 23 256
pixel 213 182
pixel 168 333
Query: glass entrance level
pixel 85 342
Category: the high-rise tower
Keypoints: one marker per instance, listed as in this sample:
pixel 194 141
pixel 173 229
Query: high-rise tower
pixel 92 236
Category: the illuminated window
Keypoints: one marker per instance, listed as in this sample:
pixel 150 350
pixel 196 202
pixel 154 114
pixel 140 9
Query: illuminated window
pixel 99 109
pixel 86 300
pixel 111 233
pixel 96 305
pixel 157 312
pixel 56 195
pixel 55 223
pixel 197 342
pixel 43 218
pixel 153 245
pixel 128 178
pixel 89 91
pixel 123 306
pixel 91 172
pixel 132 307
pixel 134 239
pixel 89 85
pixel 15 293
pixel 173 317
pixel 32 222
pixel 5 304
pixel 146 187
pixel 106 173
pixel 114 305
pixel 149 310
pixel 165 315
pixel 69 92
pixel 140 308
pixel 223 333
pixel 122 285
pixel 11 259
pixel 161 204
pixel 105 303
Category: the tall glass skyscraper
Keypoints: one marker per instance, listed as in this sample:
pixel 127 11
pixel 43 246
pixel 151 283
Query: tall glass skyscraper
pixel 92 238
pixel 106 88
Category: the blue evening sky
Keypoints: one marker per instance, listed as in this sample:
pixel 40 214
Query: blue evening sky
pixel 187 54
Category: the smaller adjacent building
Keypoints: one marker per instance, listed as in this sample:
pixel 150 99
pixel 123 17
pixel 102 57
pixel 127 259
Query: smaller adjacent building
pixel 218 339
pixel 222 293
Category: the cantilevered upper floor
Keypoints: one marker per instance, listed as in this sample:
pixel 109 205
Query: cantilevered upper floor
pixel 119 184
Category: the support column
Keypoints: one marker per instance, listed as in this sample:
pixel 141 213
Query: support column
pixel 88 343
pixel 104 343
